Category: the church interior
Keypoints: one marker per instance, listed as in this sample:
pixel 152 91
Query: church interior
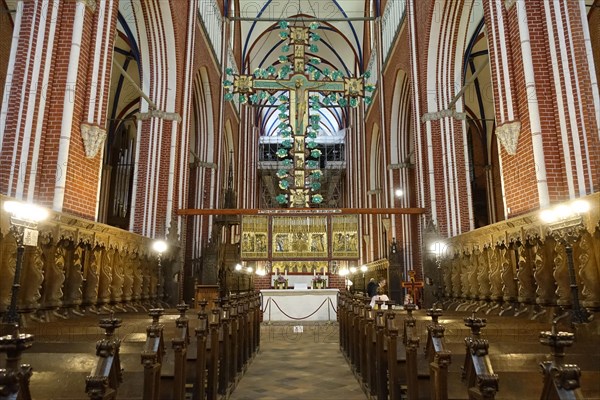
pixel 299 199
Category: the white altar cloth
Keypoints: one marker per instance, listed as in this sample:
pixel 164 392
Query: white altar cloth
pixel 299 305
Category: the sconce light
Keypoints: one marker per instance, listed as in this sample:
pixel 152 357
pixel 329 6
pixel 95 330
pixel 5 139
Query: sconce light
pixel 160 246
pixel 24 218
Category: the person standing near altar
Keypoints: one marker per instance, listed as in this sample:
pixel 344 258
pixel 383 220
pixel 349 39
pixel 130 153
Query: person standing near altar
pixel 372 288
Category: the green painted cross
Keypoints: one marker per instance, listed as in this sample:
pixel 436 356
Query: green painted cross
pixel 303 81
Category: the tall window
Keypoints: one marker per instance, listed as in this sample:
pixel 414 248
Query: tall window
pixel 119 152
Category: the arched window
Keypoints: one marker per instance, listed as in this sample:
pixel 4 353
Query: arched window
pixel 119 152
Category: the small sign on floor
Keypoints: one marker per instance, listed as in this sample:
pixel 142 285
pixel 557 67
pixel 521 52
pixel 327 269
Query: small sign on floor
pixel 298 329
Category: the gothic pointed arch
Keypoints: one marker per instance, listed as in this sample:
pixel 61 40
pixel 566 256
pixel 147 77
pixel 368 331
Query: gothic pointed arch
pixel 402 163
pixel 119 155
pixel 202 163
pixel 482 144
pixel 445 150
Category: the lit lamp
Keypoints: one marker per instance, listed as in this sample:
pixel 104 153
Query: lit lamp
pixel 238 268
pixel 24 218
pixel 364 269
pixel 565 225
pixel 436 249
pixel 344 272
pixel 250 271
pixel 160 246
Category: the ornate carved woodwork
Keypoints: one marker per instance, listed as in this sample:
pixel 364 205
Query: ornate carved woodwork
pixel 483 274
pixel 519 260
pixel 509 285
pixel 31 280
pixel 526 267
pixel 589 271
pixel 78 263
pixel 90 286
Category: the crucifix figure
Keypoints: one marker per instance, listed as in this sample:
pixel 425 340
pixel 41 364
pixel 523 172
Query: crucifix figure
pixel 303 81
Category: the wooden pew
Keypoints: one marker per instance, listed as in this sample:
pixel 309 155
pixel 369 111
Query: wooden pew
pixel 381 362
pixel 104 381
pixel 214 353
pixel 410 339
pixel 561 381
pixel 257 319
pixel 354 334
pixel 358 335
pixel 242 334
pixel 14 377
pixel 152 356
pixel 200 383
pixel 224 348
pixel 477 370
pixel 365 310
pixel 343 306
pixel 233 341
pixel 370 347
pixel 391 342
pixel 180 344
pixel 439 357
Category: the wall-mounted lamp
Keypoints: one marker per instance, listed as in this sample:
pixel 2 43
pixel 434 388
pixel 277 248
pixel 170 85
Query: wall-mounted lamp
pixel 24 218
pixel 438 248
pixel 159 246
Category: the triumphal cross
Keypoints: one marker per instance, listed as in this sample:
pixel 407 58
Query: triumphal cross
pixel 307 87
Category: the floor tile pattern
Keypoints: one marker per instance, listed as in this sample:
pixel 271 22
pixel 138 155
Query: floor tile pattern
pixel 293 365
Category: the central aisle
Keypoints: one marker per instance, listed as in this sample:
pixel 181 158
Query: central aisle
pixel 299 366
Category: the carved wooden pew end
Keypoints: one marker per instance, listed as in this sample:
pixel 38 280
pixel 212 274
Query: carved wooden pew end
pixel 104 381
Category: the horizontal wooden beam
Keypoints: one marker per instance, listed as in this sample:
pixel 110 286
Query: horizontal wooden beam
pixel 301 211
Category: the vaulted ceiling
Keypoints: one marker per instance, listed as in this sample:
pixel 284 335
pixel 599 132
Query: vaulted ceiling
pixel 341 26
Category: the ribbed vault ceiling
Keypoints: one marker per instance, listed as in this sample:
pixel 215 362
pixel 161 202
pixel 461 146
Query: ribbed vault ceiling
pixel 340 48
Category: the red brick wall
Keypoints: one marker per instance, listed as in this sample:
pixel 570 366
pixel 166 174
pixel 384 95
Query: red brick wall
pixel 337 282
pixel 262 282
pixel 82 173
pixel 594 24
pixel 6 32
pixel 584 95
pixel 19 79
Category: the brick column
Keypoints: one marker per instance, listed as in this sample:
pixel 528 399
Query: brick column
pixel 43 155
pixel 550 156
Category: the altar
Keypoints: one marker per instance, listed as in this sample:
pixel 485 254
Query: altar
pixel 299 305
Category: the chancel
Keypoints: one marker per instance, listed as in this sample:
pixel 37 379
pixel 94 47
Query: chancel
pixel 200 199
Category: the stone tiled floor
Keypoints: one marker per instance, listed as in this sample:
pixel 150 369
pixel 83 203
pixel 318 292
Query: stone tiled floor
pixel 299 366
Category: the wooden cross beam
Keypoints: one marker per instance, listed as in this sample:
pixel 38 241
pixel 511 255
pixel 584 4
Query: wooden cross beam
pixel 295 211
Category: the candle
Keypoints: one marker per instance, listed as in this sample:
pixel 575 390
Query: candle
pixel 286 272
pixel 314 272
